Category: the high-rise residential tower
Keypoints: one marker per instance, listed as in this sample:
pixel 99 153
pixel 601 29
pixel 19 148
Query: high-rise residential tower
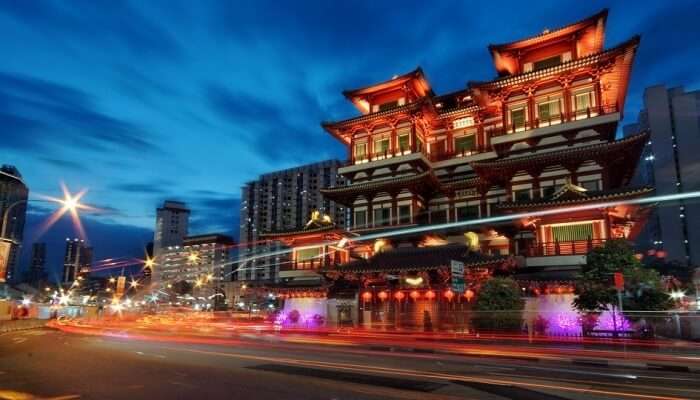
pixel 13 210
pixel 671 163
pixel 283 200
pixel 77 259
pixel 172 221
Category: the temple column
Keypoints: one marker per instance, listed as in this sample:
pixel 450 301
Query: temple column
pixel 451 212
pixel 567 101
pixel 449 147
pixel 531 110
pixel 413 137
pixel 504 111
pixel 370 211
pixel 352 149
pixel 597 93
pixel 481 140
pixel 394 208
pixel 392 141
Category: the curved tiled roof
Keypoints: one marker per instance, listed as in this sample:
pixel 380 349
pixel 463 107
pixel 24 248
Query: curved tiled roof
pixel 419 258
pixel 564 154
pixel 551 33
pixel 588 197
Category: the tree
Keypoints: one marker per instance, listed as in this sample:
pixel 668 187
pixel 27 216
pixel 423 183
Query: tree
pixel 594 287
pixel 182 287
pixel 499 306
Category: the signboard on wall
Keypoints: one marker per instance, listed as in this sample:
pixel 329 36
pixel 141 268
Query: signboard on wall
pixel 4 259
pixel 457 268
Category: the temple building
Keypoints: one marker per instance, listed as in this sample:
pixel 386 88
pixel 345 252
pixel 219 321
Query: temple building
pixel 539 137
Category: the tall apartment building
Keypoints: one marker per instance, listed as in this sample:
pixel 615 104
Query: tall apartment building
pixel 671 163
pixel 13 210
pixel 283 200
pixel 201 260
pixel 77 259
pixel 172 222
pixel 37 266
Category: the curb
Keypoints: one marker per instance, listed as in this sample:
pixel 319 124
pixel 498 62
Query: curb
pixel 14 327
pixel 572 361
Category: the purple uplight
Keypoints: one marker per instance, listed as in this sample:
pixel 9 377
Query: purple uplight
pixel 608 323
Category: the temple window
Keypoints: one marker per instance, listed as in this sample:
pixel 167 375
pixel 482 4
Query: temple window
pixel 522 195
pixel 590 183
pixel 467 212
pixel 549 112
pixel 388 105
pixel 308 257
pixel 382 215
pixel 360 219
pixel 360 151
pixel 464 145
pixel 547 62
pixel 405 214
pixel 438 216
pixel 518 117
pixel 381 147
pixel 404 142
pixel 584 102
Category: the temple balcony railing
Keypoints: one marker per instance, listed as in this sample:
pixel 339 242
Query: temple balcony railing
pixel 562 248
pixel 576 119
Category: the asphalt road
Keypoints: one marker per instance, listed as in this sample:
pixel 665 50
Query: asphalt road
pixel 51 364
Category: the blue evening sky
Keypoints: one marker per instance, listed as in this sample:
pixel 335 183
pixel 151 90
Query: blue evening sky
pixel 140 101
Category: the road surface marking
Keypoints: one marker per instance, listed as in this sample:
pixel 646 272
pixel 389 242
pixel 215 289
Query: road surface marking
pixel 416 373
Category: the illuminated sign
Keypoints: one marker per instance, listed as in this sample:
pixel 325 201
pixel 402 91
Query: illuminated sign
pixel 4 259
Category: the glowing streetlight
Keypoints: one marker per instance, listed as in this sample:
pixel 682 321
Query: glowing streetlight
pixel 149 263
pixel 198 283
pixel 112 280
pixel 134 284
pixel 193 257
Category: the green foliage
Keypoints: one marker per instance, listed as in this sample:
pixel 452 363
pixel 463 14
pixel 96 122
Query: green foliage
pixel 182 288
pixel 595 288
pixel 499 306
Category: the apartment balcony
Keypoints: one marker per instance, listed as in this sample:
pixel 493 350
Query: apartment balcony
pixel 575 120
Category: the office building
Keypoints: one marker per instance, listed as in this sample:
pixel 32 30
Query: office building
pixel 671 163
pixel 200 260
pixel 283 200
pixel 172 221
pixel 77 260
pixel 13 210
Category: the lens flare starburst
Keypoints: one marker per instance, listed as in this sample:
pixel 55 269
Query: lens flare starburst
pixel 70 203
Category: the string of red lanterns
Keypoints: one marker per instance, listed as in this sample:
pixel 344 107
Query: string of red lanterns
pixel 415 295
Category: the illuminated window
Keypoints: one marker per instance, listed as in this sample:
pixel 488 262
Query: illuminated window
pixel 404 142
pixel 465 144
pixel 548 110
pixel 381 146
pixel 584 101
pixel 360 151
pixel 591 185
pixel 547 63
pixel 517 118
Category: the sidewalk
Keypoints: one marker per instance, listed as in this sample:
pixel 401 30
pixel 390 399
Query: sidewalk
pixel 21 324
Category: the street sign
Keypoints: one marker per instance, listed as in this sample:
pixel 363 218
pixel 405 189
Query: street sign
pixel 619 281
pixel 457 268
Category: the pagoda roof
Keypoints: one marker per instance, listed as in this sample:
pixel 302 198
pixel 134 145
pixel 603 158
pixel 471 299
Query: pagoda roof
pixel 416 77
pixel 419 258
pixel 568 196
pixel 553 34
pixel 625 150
pixel 574 64
pixel 297 231
pixel 346 195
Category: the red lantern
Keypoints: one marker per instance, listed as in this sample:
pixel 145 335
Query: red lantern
pixel 661 254
pixel 366 296
pixel 414 295
pixel 449 294
pixel 429 295
pixel 383 295
pixel 469 294
pixel 399 296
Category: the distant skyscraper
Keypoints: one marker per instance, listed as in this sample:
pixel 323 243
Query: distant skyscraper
pixel 172 220
pixel 13 209
pixel 37 266
pixel 283 200
pixel 202 258
pixel 77 259
pixel 671 163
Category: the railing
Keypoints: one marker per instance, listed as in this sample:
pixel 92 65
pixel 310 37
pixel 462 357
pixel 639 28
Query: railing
pixel 563 248
pixel 441 156
pixel 315 263
pixel 555 119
